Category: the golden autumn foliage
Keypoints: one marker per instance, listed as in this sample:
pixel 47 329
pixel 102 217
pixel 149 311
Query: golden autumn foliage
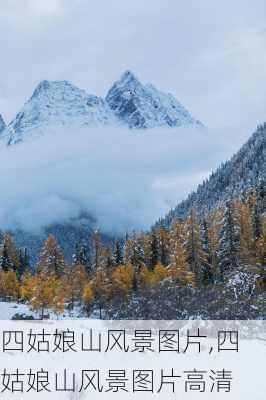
pixel 159 273
pixel 101 288
pixel 180 253
pixel 74 281
pixel 27 286
pixel 214 227
pixel 144 277
pixel 44 292
pixel 261 244
pixel 9 285
pixel 179 267
pixel 51 259
pixel 243 221
pixel 261 256
pixel 122 280
pixel 150 278
pixel 88 295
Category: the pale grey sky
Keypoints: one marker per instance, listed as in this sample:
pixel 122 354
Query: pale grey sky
pixel 209 54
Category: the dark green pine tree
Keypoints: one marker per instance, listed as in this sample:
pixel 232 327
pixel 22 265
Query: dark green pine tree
pixel 229 241
pixel 154 258
pixel 206 269
pixel 5 260
pixel 82 257
pixel 135 281
pixel 259 209
pixel 137 257
pixel 163 248
pixel 118 254
pixel 24 263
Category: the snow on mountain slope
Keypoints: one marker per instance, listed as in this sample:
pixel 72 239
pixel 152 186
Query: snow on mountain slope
pixel 244 172
pixel 143 106
pixel 58 103
pixel 2 124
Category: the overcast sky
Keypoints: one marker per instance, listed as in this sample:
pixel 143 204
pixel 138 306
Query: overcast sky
pixel 209 54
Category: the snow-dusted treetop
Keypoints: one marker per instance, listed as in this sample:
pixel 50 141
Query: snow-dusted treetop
pixel 128 102
pixel 246 171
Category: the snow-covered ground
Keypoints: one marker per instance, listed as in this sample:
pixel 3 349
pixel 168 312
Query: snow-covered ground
pixel 240 373
pixel 9 309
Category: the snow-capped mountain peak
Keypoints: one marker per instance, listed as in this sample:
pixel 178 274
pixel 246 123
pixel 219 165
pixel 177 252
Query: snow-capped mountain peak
pixel 128 102
pixel 143 106
pixel 55 103
pixel 43 86
pixel 128 81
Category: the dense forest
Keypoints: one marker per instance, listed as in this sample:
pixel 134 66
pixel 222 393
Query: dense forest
pixel 199 267
pixel 245 171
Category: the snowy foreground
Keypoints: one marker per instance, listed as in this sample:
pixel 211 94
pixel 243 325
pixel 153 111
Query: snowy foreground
pixel 234 374
pixel 10 309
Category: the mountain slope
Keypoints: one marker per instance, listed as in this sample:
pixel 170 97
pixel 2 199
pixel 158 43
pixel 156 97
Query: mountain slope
pixel 58 103
pixel 246 170
pixel 143 106
pixel 2 124
pixel 128 103
pixel 76 231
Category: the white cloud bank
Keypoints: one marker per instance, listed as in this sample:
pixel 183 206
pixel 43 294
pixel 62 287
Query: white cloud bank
pixel 126 179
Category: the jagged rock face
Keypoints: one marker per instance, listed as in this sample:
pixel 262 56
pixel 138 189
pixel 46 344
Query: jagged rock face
pixel 59 103
pixel 2 124
pixel 128 102
pixel 143 106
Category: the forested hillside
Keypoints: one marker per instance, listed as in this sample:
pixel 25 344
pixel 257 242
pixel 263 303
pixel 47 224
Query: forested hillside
pixel 212 267
pixel 206 259
pixel 246 170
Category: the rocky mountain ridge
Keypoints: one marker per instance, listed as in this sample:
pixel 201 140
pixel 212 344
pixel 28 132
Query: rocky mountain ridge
pixel 128 103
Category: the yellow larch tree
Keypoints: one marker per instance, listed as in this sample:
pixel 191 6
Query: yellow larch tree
pixel 51 259
pixel 179 267
pixel 122 280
